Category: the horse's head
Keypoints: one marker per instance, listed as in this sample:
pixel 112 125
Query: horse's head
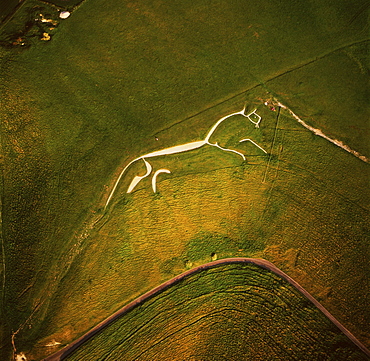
pixel 253 117
pixel 234 123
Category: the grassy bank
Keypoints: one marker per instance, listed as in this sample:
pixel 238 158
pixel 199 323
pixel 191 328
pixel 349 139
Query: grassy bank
pixel 113 77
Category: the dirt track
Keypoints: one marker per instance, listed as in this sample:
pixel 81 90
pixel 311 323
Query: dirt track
pixel 63 353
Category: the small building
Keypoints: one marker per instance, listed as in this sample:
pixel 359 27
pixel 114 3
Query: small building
pixel 64 14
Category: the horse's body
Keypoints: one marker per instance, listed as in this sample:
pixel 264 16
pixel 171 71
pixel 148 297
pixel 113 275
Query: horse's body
pixel 180 149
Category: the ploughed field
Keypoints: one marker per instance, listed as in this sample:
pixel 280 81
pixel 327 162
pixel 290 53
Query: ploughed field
pixel 119 80
pixel 230 312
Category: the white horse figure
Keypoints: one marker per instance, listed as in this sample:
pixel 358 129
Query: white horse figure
pixel 183 148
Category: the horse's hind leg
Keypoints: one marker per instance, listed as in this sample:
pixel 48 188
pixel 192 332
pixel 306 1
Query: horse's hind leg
pixel 154 179
pixel 137 179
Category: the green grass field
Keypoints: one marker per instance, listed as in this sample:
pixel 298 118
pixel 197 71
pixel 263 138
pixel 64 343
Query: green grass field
pixel 232 312
pixel 6 8
pixel 77 108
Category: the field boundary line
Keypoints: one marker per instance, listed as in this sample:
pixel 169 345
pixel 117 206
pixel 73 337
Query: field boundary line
pixel 2 235
pixel 272 145
pixel 66 351
pixel 318 132
pixel 263 83
pixel 297 67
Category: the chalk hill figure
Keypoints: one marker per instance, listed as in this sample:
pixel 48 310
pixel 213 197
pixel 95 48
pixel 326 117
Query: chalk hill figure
pixel 253 117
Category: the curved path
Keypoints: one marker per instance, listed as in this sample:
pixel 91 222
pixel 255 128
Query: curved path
pixel 63 353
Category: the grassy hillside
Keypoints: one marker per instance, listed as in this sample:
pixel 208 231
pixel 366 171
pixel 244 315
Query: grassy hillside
pixel 114 77
pixel 232 312
pixel 293 207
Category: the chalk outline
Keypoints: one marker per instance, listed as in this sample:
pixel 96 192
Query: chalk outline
pixel 183 148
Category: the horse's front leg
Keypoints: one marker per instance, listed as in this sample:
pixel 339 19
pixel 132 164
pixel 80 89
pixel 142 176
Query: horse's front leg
pixel 226 149
pixel 254 143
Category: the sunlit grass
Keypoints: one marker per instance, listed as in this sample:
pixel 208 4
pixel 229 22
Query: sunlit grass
pixel 111 80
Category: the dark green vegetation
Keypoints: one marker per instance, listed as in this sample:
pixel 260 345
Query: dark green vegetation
pixel 8 7
pixel 76 109
pixel 232 312
pixel 27 27
pixel 66 4
pixel 34 21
